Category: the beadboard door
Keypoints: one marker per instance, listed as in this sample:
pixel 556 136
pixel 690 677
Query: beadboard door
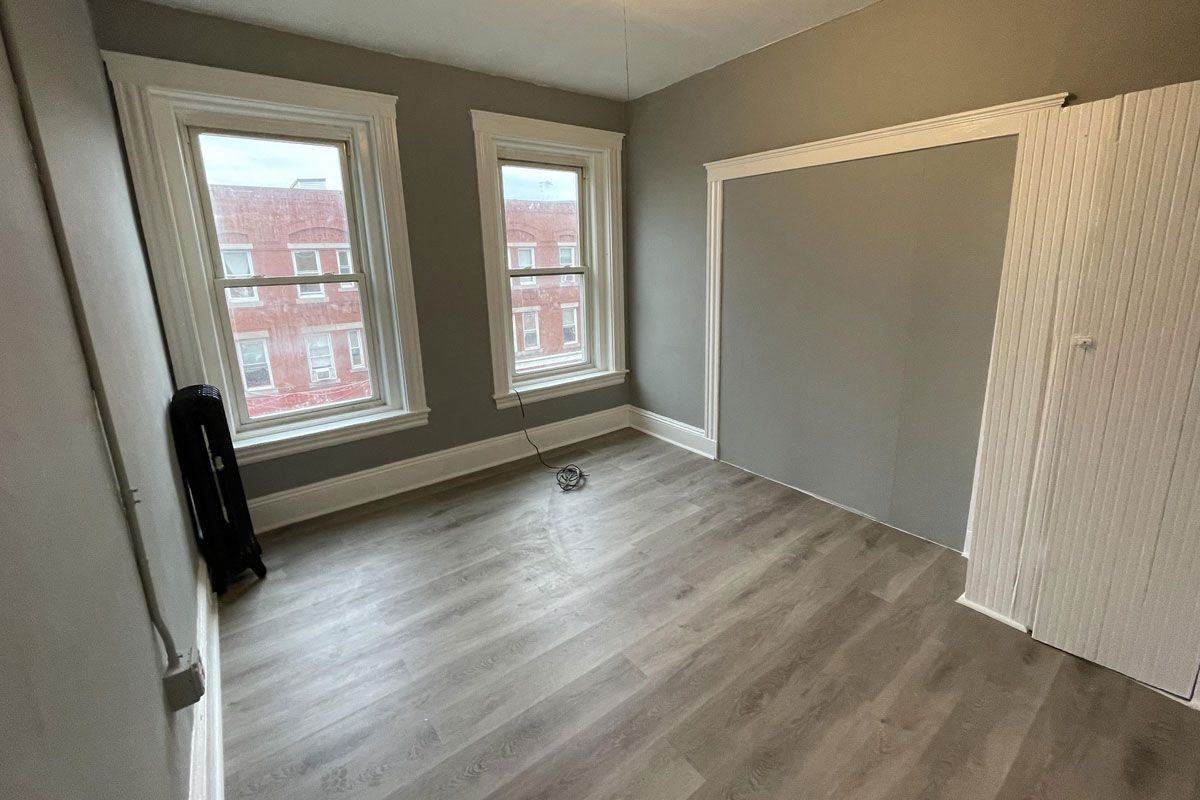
pixel 1119 578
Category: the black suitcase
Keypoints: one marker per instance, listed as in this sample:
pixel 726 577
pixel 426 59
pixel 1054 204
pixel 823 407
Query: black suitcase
pixel 220 516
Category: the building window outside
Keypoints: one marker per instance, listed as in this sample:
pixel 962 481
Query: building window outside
pixel 319 349
pixel 255 363
pixel 307 263
pixel 529 335
pixel 238 264
pixel 570 325
pixel 345 266
pixel 566 258
pixel 358 353
pixel 524 257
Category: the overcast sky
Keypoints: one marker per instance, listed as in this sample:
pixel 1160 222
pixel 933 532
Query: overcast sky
pixel 246 161
pixel 533 183
pixel 250 161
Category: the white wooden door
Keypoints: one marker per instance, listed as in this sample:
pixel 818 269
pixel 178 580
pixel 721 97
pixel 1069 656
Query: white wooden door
pixel 1120 578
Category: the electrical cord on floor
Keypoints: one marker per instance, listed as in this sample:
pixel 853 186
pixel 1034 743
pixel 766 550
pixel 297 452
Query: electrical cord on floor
pixel 569 477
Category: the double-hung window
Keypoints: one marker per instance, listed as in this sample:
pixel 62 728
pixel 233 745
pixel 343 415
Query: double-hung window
pixel 550 198
pixel 307 179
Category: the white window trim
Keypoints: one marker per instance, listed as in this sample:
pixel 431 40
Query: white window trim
pixel 498 136
pixel 156 99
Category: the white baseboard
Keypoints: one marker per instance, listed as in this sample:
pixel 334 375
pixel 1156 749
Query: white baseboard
pixel 207 778
pixel 987 612
pixel 689 437
pixel 305 502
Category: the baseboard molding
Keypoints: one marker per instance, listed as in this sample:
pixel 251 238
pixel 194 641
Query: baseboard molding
pixel 689 437
pixel 207 773
pixel 987 612
pixel 305 502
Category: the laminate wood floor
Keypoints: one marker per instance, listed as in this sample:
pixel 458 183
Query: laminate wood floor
pixel 678 629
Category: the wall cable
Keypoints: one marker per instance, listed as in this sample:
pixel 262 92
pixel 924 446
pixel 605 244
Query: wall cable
pixel 569 477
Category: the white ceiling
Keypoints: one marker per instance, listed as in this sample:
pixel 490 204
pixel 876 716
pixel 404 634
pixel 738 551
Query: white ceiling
pixel 571 44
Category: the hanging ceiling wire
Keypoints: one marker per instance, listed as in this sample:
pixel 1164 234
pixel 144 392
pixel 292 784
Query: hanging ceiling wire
pixel 625 18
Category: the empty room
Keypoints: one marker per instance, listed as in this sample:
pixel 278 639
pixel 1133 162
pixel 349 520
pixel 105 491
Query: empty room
pixel 600 400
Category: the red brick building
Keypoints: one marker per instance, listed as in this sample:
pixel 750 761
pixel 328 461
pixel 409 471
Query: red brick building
pixel 303 346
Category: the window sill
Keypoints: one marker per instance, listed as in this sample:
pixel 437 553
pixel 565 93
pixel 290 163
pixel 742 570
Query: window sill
pixel 266 446
pixel 560 386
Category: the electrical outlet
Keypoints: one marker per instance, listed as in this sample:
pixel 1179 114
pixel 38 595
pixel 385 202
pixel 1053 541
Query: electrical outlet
pixel 185 684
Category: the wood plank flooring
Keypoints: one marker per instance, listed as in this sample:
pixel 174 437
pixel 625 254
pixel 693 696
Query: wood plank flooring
pixel 678 629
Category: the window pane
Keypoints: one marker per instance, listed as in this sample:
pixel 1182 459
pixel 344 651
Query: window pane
pixel 279 210
pixel 278 196
pixel 309 345
pixel 548 325
pixel 541 215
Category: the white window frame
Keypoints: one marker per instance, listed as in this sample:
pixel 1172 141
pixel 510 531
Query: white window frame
pixel 162 104
pixel 226 249
pixel 574 309
pixel 503 138
pixel 356 340
pixel 303 290
pixel 256 336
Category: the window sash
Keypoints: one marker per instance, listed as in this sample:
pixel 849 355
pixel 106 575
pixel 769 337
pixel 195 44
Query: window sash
pixel 302 278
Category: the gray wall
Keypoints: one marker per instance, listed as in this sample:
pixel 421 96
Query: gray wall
pixel 74 131
pixel 438 161
pixel 895 61
pixel 81 706
pixel 857 320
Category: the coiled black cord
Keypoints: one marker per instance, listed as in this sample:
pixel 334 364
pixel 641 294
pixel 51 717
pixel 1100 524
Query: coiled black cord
pixel 570 477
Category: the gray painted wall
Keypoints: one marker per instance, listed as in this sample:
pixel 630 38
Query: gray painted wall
pixel 857 320
pixel 74 131
pixel 437 157
pixel 895 61
pixel 81 707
